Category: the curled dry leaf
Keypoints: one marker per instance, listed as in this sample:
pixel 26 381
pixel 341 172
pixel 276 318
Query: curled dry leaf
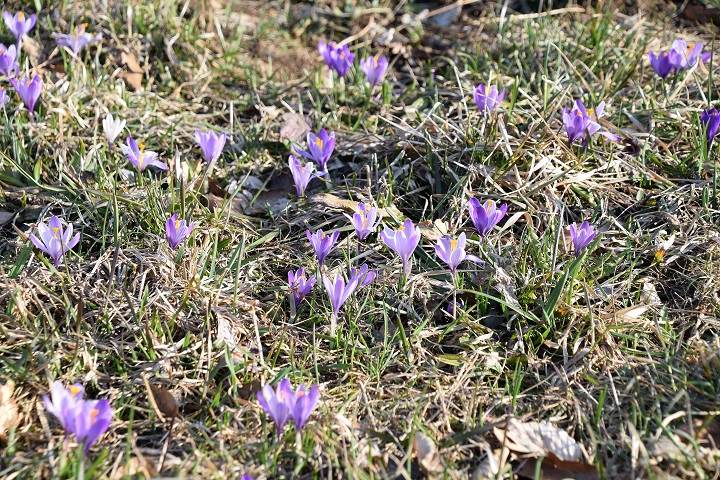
pixel 556 469
pixel 539 439
pixel 133 74
pixel 427 454
pixel 8 409
pixel 296 127
pixel 136 467
pixel 165 402
pixel 505 285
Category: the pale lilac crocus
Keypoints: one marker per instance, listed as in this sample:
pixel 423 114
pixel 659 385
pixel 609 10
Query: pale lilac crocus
pixel 19 25
pixel 320 148
pixel 177 231
pixel 275 403
pixel 53 240
pixel 485 216
pixel 4 98
pixel 112 127
pixel 76 40
pixel 452 252
pixel 582 123
pixel 8 65
pixel 64 404
pixel 322 243
pixel 302 174
pixel 374 68
pixel 300 285
pixel 581 236
pixel 301 404
pixel 365 221
pixel 686 55
pixel 29 90
pixel 211 144
pixel 139 157
pixel 92 421
pixel 403 242
pixel 487 98
pixel 337 58
pixel 362 275
pixel 711 120
pixel 338 292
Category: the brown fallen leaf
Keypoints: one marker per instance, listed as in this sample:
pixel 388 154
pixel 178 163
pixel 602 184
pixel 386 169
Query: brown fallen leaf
pixel 33 49
pixel 247 390
pixel 139 467
pixel 134 74
pixel 538 439
pixel 427 454
pixel 555 469
pixel 9 415
pixel 296 127
pixel 162 401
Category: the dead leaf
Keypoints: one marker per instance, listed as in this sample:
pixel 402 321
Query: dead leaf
pixel 555 469
pixel 33 49
pixel 539 439
pixel 136 466
pixel 333 201
pixel 9 414
pixel 631 313
pixel 164 401
pixel 489 466
pixel 247 390
pixel 505 285
pixel 134 74
pixel 296 127
pixel 427 454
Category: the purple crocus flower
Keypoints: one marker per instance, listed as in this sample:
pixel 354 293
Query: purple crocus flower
pixel 686 55
pixel 485 216
pixel 301 174
pixel 402 241
pixel 452 252
pixel 19 25
pixel 339 292
pixel 275 403
pixel 662 63
pixel 76 40
pixel 487 98
pixel 300 285
pixel 177 231
pixel 4 98
pixel 247 476
pixel 374 68
pixel 29 90
pixel 301 404
pixel 321 243
pixel 711 120
pixel 337 58
pixel 365 221
pixel 53 240
pixel 91 421
pixel 64 403
pixel 139 157
pixel 211 144
pixel 8 65
pixel 581 237
pixel 320 148
pixel 362 275
pixel 583 123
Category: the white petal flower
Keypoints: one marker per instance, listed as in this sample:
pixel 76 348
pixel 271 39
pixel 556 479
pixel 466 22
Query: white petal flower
pixel 113 127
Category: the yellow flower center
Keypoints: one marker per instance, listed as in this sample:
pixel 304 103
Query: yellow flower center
pixel 664 54
pixel 300 393
pixel 401 228
pixel 342 55
pixel 590 112
pixel 453 244
pixel 690 47
pixel 490 203
pixel 56 232
pixel 21 16
pixel 375 58
pixel 75 32
pixel 73 389
pixel 177 225
pixel 94 414
pixel 319 142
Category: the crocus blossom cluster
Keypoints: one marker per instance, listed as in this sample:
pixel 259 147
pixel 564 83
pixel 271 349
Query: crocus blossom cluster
pixel 365 221
pixel 681 56
pixel 485 216
pixel 322 243
pixel 177 231
pixel 581 236
pixel 53 240
pixel 76 40
pixel 282 404
pixel 338 58
pixel 582 123
pixel 86 419
pixel 339 291
pixel 452 252
pixel 403 242
pixel 487 98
